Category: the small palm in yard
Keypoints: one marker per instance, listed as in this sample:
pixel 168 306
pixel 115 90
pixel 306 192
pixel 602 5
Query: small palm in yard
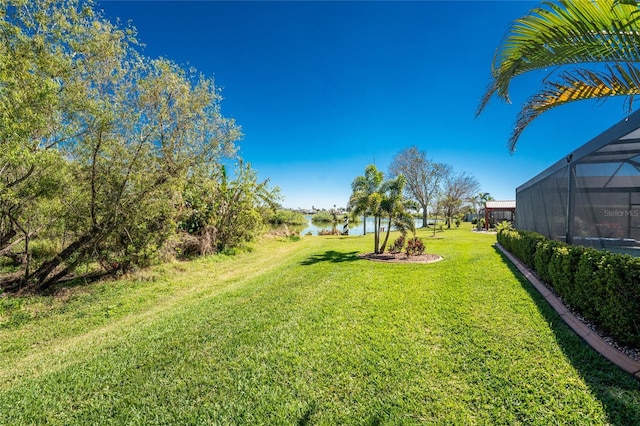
pixel 382 199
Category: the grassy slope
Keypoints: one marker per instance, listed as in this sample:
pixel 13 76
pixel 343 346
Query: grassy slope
pixel 306 332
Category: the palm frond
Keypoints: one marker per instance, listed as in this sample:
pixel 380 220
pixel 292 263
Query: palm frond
pixel 562 33
pixel 630 2
pixel 581 84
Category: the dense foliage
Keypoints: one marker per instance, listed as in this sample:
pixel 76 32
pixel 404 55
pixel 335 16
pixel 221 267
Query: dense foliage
pixel 218 213
pixel 415 246
pixel 324 217
pixel 100 145
pixel 599 285
pixel 287 217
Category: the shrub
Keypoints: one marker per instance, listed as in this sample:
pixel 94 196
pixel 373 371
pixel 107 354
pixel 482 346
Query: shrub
pixel 522 244
pixel 415 247
pixel 323 217
pixel 562 270
pixel 544 252
pixel 586 296
pixel 332 231
pixel 397 245
pixel 288 217
pixel 613 293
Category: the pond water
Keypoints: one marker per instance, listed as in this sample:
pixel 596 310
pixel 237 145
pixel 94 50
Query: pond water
pixel 354 228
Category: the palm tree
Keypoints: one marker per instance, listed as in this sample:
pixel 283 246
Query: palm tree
pixel 391 206
pixel 590 45
pixel 371 195
pixel 362 189
pixel 483 197
pixel 475 203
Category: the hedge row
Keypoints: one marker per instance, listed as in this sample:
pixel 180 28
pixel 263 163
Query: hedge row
pixel 603 287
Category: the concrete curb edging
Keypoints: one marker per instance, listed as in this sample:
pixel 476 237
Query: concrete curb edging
pixel 594 340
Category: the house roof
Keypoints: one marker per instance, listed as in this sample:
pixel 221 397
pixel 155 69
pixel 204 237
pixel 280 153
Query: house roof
pixel 507 204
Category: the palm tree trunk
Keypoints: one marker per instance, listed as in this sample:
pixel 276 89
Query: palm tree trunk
pixel 376 234
pixel 386 238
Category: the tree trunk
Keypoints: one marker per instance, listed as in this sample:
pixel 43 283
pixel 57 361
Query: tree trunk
pixel 5 239
pixel 38 280
pixel 59 275
pixel 6 251
pixel 27 258
pixel 425 217
pixel 386 238
pixel 376 234
pixel 434 223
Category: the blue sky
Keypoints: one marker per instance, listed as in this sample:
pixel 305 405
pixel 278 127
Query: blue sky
pixel 322 89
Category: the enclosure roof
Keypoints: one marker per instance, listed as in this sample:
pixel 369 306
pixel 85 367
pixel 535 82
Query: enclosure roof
pixel 618 144
pixel 509 204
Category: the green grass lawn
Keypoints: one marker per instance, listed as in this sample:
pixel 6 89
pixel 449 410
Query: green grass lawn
pixel 306 333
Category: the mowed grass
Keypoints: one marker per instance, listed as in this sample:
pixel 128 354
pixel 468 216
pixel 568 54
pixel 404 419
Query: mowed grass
pixel 307 333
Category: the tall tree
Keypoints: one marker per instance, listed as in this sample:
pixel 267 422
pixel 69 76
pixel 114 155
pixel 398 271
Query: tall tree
pixel 82 109
pixel 589 46
pixel 47 47
pixel 424 177
pixel 457 189
pixel 37 108
pixel 155 123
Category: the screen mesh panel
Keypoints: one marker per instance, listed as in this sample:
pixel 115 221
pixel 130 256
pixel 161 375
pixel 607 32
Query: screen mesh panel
pixel 599 205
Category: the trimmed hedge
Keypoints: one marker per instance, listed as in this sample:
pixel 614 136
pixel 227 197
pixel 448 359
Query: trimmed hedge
pixel 522 244
pixel 602 287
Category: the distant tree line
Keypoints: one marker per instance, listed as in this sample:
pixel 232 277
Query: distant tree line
pixel 108 157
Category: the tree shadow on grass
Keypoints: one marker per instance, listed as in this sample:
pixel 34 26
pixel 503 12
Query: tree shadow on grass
pixel 619 392
pixel 306 417
pixel 331 256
